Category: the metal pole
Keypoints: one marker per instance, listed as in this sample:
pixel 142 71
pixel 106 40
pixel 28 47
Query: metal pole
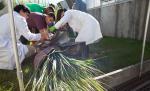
pixel 45 3
pixel 144 40
pixel 13 34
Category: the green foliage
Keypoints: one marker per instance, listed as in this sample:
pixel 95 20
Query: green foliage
pixel 117 53
pixel 1 5
pixel 60 73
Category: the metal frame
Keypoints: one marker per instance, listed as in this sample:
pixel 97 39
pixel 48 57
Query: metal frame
pixel 14 43
pixel 144 39
pixel 19 70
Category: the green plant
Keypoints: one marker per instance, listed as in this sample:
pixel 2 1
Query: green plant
pixel 60 73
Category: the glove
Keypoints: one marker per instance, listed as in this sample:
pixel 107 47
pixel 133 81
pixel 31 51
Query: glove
pixel 52 29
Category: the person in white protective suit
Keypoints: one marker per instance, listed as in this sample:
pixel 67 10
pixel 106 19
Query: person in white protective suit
pixel 7 60
pixel 87 27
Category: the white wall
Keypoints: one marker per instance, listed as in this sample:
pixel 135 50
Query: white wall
pixel 126 20
pixel 92 3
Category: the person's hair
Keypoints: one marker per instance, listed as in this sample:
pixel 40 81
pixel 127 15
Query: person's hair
pixel 59 12
pixel 50 8
pixel 20 7
pixel 51 14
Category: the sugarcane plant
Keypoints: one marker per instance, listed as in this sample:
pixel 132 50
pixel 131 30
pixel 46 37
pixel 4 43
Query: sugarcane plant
pixel 58 72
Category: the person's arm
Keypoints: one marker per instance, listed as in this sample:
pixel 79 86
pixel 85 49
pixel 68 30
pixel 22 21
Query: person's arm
pixel 40 24
pixel 63 20
pixel 44 33
pixel 23 29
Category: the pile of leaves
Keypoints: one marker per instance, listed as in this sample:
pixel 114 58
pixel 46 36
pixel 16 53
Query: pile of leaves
pixel 59 73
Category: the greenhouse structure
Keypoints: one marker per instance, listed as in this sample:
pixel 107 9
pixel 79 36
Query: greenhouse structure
pixel 120 61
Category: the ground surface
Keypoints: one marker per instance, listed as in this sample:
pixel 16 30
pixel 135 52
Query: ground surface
pixel 110 54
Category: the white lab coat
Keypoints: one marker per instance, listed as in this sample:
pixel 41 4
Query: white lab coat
pixel 7 60
pixel 87 26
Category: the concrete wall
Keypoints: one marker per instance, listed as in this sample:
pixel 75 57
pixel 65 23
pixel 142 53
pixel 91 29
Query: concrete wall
pixel 64 4
pixel 70 3
pixel 125 20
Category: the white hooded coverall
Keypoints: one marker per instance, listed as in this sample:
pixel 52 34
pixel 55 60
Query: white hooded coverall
pixel 7 60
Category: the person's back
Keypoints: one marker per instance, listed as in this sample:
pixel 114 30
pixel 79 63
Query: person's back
pixel 79 18
pixel 3 22
pixel 36 21
pixel 5 25
pixel 87 26
pixel 4 35
pixel 6 51
pixel 79 13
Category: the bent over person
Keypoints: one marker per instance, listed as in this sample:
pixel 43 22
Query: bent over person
pixel 7 60
pixel 87 27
